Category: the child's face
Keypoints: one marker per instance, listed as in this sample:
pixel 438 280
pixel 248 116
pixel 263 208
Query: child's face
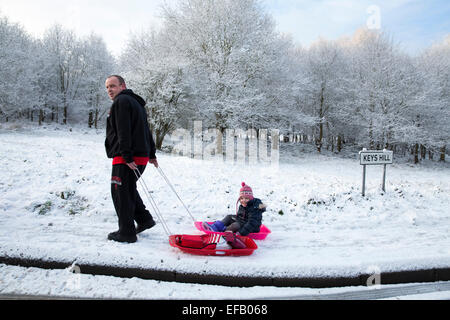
pixel 244 201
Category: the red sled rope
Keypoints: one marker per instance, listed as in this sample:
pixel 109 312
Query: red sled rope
pixel 205 244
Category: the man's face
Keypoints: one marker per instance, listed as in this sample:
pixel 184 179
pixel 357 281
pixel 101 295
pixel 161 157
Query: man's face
pixel 113 87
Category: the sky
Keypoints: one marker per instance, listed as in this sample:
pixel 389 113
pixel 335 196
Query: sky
pixel 413 24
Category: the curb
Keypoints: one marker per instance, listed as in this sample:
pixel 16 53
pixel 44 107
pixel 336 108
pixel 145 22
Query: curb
pixel 397 277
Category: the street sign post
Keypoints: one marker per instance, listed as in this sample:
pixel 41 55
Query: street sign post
pixel 375 157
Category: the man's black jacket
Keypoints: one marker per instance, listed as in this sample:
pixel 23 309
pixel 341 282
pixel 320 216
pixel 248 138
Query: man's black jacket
pixel 127 132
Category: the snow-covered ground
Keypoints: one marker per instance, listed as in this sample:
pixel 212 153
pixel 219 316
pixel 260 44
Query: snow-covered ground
pixel 56 205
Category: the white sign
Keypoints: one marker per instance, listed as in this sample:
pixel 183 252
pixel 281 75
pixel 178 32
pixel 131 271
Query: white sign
pixel 372 157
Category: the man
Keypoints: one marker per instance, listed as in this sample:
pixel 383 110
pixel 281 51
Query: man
pixel 130 144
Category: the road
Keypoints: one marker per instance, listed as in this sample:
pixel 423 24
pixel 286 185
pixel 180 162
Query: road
pixel 405 291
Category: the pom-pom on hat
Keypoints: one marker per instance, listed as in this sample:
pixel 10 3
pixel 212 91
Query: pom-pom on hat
pixel 246 191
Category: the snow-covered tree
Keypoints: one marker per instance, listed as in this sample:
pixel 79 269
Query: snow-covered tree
pixel 75 73
pixel 233 50
pixel 434 109
pixel 223 62
pixel 63 51
pixel 325 74
pixel 99 64
pixel 16 84
pixel 157 72
pixel 383 88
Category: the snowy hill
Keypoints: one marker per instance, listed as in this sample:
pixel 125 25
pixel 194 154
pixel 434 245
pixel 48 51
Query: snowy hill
pixel 55 204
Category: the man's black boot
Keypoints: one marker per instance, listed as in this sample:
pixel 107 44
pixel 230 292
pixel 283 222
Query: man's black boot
pixel 116 236
pixel 144 226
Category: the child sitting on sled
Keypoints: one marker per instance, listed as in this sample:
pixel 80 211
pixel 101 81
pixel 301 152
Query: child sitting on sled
pixel 248 216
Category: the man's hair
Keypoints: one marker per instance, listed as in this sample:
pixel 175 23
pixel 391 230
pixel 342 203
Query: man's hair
pixel 121 80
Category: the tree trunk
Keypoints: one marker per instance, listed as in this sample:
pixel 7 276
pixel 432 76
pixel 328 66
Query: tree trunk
pixel 319 139
pixel 65 114
pixel 442 157
pixel 423 151
pixel 160 133
pixel 65 110
pixel 159 140
pixel 96 118
pixel 416 153
pixel 339 143
pixel 219 141
pixel 41 116
pixel 90 119
pixel 371 141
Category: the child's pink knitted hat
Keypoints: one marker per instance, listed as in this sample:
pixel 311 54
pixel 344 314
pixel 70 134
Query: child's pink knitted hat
pixel 246 191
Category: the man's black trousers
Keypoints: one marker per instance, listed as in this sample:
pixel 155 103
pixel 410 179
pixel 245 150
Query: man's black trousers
pixel 127 202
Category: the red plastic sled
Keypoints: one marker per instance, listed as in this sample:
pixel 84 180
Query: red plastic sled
pixel 205 245
pixel 261 235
